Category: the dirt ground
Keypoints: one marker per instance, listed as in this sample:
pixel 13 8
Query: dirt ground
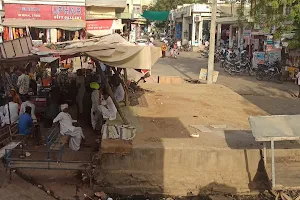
pixel 167 111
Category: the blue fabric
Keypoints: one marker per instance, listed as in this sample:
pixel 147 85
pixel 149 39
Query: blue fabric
pixel 24 124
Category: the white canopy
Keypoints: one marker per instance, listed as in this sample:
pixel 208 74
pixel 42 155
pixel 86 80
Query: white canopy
pixel 119 55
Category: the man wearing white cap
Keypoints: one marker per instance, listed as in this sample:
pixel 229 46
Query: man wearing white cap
pixel 67 128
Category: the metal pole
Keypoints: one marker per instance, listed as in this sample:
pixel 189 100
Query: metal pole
pixel 273 163
pixel 265 153
pixel 210 69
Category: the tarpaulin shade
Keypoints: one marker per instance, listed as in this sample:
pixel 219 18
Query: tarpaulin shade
pixel 156 16
pixel 119 55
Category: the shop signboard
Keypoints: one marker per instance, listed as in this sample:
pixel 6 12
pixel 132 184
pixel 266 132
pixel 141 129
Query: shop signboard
pixel 246 34
pixel 274 55
pixel 44 12
pixel 104 24
pixel 258 58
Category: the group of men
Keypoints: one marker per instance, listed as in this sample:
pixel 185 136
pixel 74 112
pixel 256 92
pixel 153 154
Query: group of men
pixel 24 115
pixel 103 108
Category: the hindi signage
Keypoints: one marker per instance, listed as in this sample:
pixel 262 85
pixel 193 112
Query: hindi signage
pixel 44 12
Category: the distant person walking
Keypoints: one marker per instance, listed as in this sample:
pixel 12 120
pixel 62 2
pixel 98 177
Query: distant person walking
pixel 163 50
pixel 298 81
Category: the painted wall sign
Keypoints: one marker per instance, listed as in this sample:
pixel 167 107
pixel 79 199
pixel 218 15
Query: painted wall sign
pixel 104 24
pixel 44 12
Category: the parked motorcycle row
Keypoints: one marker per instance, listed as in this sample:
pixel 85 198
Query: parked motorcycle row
pixel 236 64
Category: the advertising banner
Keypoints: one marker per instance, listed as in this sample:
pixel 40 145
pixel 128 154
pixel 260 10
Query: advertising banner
pixel 258 58
pixel 44 12
pixel 104 24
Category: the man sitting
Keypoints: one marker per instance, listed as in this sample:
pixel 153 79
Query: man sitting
pixel 11 114
pixel 107 107
pixel 67 128
pixel 29 104
pixel 25 123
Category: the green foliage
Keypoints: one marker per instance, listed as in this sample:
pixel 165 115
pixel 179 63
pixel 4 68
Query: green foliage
pixel 269 13
pixel 167 5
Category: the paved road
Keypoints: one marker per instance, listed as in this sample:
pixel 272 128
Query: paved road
pixel 271 97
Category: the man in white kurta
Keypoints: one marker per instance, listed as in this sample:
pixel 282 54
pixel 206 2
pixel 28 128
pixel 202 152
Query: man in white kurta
pixel 108 108
pixel 67 128
pixel 10 115
pixel 29 104
pixel 119 93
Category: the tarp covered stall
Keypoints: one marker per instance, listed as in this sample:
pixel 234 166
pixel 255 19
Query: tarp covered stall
pixel 155 15
pixel 72 25
pixel 119 55
pixel 108 39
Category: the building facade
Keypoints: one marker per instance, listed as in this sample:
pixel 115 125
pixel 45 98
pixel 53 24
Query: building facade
pixel 49 21
pixel 101 16
pixel 58 20
pixel 191 23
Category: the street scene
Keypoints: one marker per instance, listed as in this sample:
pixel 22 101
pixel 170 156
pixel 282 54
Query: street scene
pixel 150 100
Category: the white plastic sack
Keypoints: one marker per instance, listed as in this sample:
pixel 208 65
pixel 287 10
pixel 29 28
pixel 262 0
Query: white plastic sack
pixel 122 132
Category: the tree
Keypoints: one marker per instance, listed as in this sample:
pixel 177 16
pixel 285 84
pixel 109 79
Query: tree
pixel 167 5
pixel 278 17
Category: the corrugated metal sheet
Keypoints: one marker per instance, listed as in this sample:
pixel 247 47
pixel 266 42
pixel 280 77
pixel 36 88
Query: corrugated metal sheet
pixel 106 3
pixel 276 127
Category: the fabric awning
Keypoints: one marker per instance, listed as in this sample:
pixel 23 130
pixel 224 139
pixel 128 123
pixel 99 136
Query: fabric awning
pixel 62 24
pixel 156 16
pixel 118 55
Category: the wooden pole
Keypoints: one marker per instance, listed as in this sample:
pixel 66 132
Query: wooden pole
pixel 80 62
pixel 111 94
pixel 126 81
pixel 123 82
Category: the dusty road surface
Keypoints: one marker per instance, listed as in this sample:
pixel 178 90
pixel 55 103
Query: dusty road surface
pixel 172 109
pixel 19 189
pixel 270 97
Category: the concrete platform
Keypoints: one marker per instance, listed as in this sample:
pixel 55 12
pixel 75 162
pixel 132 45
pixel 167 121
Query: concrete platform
pixel 166 160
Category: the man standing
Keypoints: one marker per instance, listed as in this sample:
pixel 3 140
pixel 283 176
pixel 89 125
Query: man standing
pixel 298 82
pixel 23 83
pixel 67 128
pixel 163 50
pixel 80 83
pixel 96 117
pixel 29 104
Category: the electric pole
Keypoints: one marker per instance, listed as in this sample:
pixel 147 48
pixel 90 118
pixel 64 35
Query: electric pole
pixel 211 58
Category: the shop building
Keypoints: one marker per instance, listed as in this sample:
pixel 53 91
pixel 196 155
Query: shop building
pixel 49 21
pixel 101 16
pixel 191 23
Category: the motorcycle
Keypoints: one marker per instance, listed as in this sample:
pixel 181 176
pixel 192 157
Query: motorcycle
pixel 269 72
pixel 241 67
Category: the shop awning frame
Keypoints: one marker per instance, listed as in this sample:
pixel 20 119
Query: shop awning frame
pixel 72 25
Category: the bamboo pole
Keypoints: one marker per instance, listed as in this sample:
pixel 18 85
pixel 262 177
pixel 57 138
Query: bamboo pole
pixel 109 90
